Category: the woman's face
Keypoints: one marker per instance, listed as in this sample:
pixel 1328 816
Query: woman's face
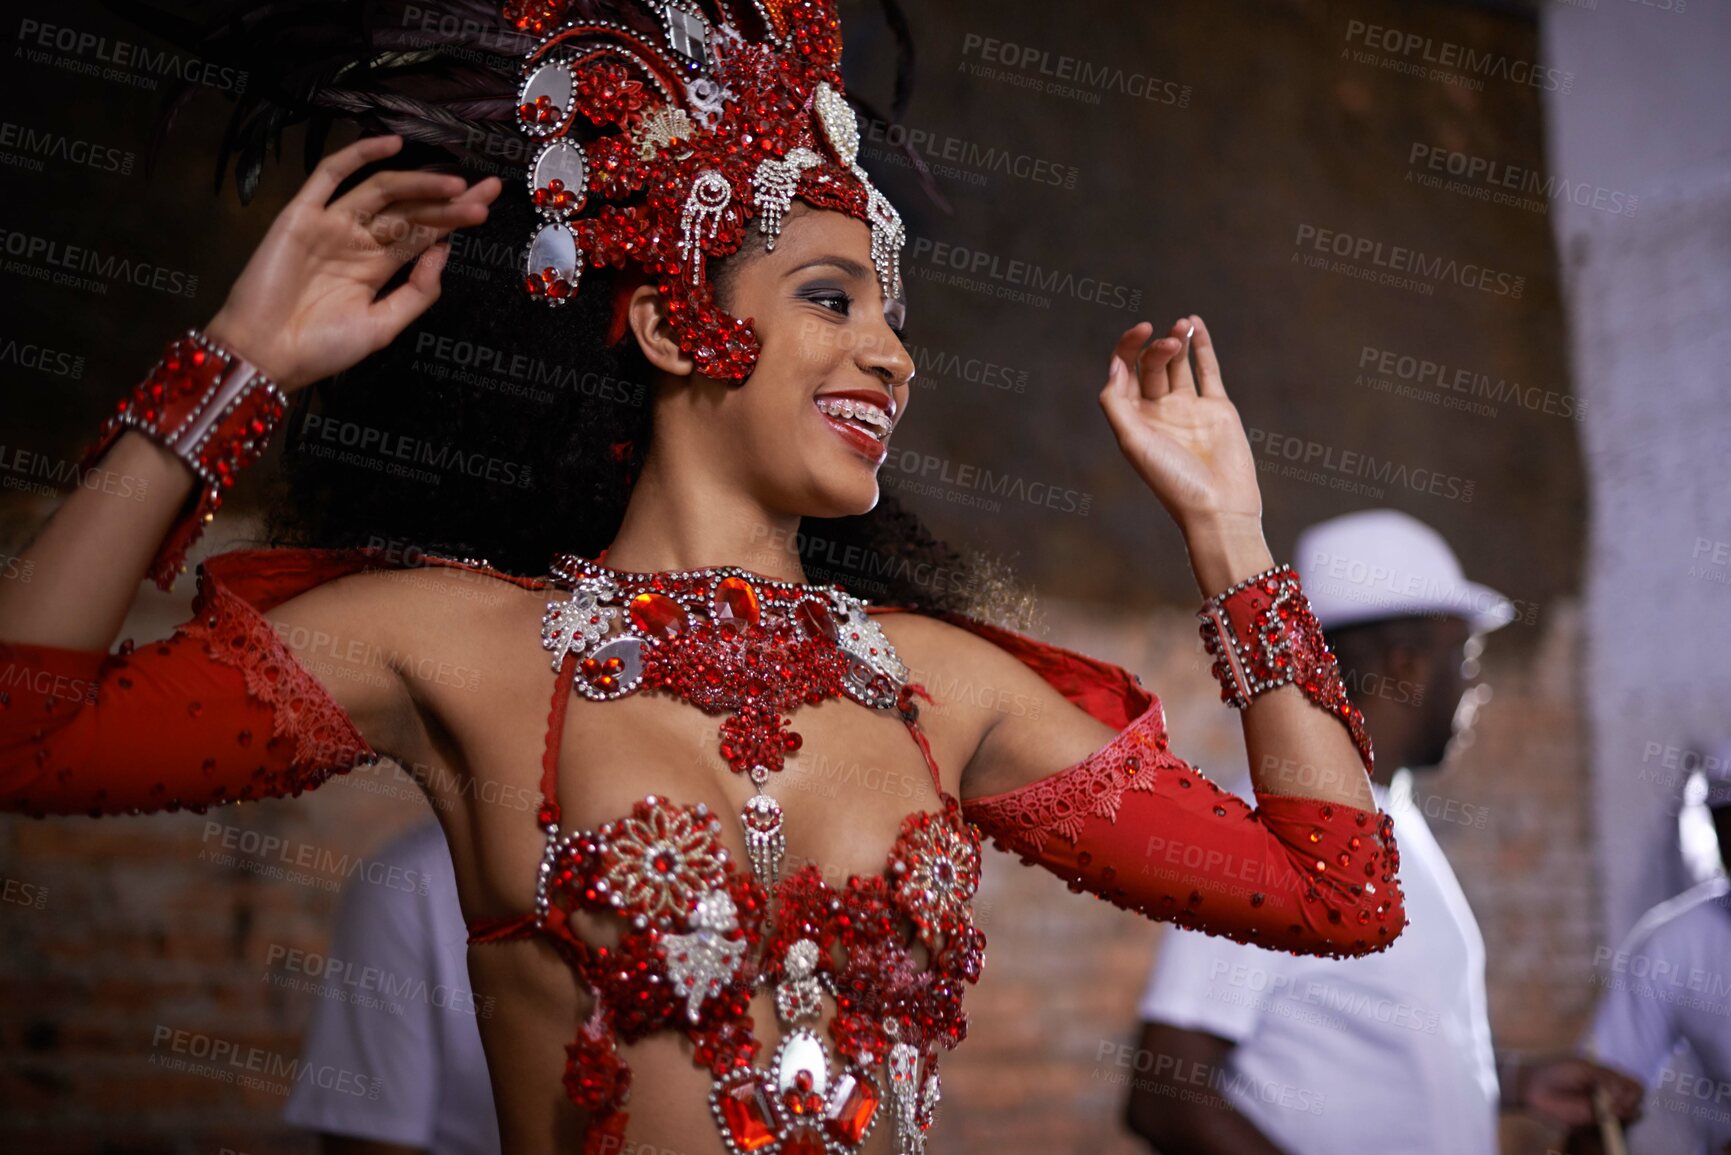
pixel 829 342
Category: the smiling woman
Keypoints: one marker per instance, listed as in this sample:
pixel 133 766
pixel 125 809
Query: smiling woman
pixel 684 952
pixel 580 379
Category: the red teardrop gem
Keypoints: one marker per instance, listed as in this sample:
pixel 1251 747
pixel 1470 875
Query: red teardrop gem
pixel 736 600
pixel 816 620
pixel 657 615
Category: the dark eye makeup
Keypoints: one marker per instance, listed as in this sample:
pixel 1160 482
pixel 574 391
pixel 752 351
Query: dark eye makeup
pixel 839 301
pixel 828 297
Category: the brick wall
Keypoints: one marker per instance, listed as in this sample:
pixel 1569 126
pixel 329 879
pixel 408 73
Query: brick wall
pixel 138 945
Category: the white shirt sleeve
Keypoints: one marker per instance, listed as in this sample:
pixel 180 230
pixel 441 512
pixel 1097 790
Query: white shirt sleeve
pixel 370 1015
pixel 1633 1028
pixel 1203 982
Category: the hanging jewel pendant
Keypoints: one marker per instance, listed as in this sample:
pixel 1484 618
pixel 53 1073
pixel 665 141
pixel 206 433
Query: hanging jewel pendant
pixel 799 995
pixel 904 1069
pixel 765 842
pixel 928 1108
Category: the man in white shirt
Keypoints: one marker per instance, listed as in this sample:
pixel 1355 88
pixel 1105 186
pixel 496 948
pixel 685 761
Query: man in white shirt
pixel 1237 1038
pixel 1665 1015
pixel 393 997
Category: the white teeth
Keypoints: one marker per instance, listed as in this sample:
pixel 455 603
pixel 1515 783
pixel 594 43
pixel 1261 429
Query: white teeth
pixel 875 420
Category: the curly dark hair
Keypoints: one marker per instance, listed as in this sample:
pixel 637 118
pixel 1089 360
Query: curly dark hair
pixel 494 427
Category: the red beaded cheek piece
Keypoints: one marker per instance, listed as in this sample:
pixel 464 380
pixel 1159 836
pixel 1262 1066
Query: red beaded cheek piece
pixel 693 131
pixel 213 409
pixel 1262 635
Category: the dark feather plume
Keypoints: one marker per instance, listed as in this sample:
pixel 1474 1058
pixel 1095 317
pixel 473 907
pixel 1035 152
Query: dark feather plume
pixel 442 74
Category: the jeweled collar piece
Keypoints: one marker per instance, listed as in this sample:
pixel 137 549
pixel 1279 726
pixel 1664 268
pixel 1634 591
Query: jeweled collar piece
pixel 724 638
pixel 729 641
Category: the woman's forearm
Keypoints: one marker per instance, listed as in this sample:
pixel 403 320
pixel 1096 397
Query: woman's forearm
pixel 90 558
pixel 99 545
pixel 1293 747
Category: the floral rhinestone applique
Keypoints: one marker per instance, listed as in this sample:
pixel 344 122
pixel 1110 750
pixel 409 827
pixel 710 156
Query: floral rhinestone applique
pixel 661 860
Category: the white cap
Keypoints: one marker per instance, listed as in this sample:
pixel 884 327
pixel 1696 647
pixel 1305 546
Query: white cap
pixel 1381 563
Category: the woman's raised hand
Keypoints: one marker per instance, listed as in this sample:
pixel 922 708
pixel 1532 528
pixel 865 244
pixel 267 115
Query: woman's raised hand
pixel 304 307
pixel 1179 429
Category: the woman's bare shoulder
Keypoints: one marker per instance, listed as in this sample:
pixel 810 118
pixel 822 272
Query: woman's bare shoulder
pixel 957 666
pixel 924 641
pixel 381 639
pixel 429 608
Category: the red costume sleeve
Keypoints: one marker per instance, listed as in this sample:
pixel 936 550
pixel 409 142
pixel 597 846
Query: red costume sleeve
pixel 220 712
pixel 1137 826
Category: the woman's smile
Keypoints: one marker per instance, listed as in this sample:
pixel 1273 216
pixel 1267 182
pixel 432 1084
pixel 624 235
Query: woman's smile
pixel 862 419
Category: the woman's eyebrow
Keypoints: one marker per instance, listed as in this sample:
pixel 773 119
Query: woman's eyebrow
pixel 850 267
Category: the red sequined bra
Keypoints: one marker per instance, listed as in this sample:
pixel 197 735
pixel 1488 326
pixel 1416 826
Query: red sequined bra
pixel 701 934
pixel 233 715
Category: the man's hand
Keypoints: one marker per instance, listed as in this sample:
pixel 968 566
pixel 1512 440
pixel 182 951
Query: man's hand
pixel 1561 1090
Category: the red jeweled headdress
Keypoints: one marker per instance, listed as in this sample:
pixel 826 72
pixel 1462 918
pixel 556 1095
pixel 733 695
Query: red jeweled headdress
pixel 657 149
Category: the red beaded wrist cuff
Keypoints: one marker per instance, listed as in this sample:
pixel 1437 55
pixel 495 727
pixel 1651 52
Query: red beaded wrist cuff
pixel 1262 635
pixel 213 409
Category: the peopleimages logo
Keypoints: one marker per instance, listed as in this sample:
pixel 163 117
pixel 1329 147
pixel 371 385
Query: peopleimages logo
pixel 318 433
pixel 1017 276
pixel 959 158
pixel 1042 70
pixel 1509 184
pixel 1366 254
pixel 76 265
pixel 121 60
pixel 24 146
pixel 1433 59
pixel 1458 387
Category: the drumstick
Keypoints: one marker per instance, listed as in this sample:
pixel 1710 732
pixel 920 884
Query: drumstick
pixel 1610 1127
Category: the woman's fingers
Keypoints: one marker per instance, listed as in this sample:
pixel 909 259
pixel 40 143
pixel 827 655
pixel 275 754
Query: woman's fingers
pixel 1120 391
pixel 393 312
pixel 482 191
pixel 1178 376
pixel 1152 369
pixel 344 163
pixel 1121 371
pixel 383 189
pixel 1210 383
pixel 407 230
pixel 1151 366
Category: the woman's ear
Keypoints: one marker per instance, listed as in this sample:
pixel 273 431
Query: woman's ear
pixel 646 313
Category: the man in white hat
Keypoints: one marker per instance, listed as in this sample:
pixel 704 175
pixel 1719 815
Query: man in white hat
pixel 1665 1016
pixel 1239 1039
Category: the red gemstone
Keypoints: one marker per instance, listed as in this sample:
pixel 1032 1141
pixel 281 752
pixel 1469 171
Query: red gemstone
pixel 852 1106
pixel 736 600
pixel 657 615
pixel 747 1117
pixel 803 1141
pixel 816 620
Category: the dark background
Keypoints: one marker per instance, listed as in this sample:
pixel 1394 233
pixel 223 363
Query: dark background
pixel 1262 123
pixel 1259 124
